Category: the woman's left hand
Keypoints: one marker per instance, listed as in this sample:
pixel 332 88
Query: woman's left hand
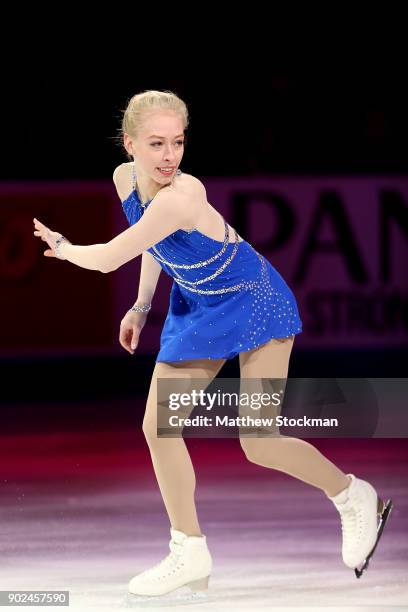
pixel 50 237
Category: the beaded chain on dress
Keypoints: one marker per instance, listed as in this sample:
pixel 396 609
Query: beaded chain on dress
pixel 226 297
pixel 184 282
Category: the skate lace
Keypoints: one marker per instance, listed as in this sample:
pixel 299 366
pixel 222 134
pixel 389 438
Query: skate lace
pixel 351 522
pixel 171 560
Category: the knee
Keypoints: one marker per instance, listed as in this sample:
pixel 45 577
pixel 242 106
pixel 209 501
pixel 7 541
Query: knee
pixel 152 421
pixel 150 431
pixel 250 448
pixel 258 450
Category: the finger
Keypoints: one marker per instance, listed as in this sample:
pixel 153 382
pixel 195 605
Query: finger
pixel 125 347
pixel 135 340
pixel 123 340
pixel 124 333
pixel 133 344
pixel 39 232
pixel 124 343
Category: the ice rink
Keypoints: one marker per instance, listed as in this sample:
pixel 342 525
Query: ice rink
pixel 81 511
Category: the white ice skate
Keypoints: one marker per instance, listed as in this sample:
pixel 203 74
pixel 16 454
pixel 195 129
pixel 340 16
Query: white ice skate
pixel 359 507
pixel 188 564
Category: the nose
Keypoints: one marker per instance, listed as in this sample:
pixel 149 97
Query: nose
pixel 169 154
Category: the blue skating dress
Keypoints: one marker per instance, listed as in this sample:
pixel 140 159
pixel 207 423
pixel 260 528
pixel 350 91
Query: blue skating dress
pixel 226 298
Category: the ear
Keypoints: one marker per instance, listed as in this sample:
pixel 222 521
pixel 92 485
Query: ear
pixel 128 143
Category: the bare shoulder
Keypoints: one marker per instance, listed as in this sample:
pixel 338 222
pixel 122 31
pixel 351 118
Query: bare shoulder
pixel 191 195
pixel 193 185
pixel 183 183
pixel 187 185
pixel 122 178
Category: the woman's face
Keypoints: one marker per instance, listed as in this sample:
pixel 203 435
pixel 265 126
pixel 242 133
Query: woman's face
pixel 160 144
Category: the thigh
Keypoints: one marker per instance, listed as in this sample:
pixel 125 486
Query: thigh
pixel 268 361
pixel 204 369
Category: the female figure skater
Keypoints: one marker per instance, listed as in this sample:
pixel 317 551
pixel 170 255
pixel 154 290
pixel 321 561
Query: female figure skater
pixel 226 299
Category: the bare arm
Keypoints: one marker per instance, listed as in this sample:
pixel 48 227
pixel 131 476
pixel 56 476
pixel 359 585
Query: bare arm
pixel 166 214
pixel 149 276
pixel 90 257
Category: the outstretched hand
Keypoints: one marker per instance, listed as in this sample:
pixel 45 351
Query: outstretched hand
pixel 48 236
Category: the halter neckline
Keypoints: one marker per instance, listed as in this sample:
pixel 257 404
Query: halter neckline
pixel 178 172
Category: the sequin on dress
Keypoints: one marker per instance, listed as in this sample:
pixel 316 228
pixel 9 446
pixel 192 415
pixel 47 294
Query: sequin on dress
pixel 226 298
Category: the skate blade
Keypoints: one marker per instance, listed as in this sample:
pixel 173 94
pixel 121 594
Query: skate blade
pixel 181 596
pixel 384 510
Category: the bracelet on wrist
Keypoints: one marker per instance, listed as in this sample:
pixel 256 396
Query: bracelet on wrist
pixel 58 243
pixel 142 308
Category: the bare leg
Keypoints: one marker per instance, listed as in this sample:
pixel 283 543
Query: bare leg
pixel 290 455
pixel 170 457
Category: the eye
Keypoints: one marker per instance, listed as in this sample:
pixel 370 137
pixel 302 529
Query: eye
pixel 180 142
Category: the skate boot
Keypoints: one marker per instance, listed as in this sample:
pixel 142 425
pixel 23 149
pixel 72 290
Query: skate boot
pixel 188 565
pixel 363 517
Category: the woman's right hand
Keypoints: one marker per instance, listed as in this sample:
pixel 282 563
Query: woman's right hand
pixel 130 328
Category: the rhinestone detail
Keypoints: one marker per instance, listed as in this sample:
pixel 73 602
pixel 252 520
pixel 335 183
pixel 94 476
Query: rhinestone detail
pixel 219 270
pixel 243 285
pixel 186 284
pixel 199 264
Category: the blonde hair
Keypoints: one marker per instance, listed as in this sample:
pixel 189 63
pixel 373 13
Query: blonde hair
pixel 147 101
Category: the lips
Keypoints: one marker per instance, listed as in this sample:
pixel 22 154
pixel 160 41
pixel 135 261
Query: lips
pixel 166 172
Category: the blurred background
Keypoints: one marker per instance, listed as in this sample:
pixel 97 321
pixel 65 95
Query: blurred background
pixel 306 159
pixel 308 164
